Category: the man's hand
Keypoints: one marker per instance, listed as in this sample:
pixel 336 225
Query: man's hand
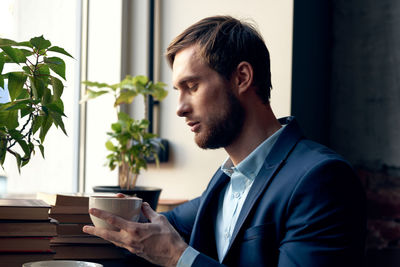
pixel 156 241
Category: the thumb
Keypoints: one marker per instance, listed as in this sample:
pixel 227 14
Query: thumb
pixel 148 212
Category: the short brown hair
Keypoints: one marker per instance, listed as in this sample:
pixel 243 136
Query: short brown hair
pixel 225 42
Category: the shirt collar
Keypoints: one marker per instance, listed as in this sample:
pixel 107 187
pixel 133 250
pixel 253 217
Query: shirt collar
pixel 251 165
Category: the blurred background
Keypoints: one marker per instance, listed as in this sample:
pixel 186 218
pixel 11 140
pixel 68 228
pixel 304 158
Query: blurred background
pixel 335 66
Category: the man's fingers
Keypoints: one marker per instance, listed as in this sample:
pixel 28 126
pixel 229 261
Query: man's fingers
pixel 120 195
pixel 148 212
pixel 118 238
pixel 108 235
pixel 109 218
pixel 88 229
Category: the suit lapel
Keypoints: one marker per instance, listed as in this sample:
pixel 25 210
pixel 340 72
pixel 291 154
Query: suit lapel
pixel 273 162
pixel 203 238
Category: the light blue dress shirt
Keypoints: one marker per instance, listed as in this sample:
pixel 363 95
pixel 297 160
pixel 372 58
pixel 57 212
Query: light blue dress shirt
pixel 232 197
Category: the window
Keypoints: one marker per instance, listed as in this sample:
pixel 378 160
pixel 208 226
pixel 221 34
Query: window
pixel 57 21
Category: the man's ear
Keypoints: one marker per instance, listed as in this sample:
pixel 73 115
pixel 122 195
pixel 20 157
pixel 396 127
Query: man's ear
pixel 244 76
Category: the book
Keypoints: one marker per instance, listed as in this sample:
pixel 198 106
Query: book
pixel 75 229
pixel 24 244
pixel 23 209
pixel 86 252
pixel 69 210
pixel 78 240
pixel 65 199
pixel 72 218
pixel 16 259
pixel 28 228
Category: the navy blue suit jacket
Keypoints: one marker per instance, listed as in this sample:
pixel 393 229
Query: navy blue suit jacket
pixel 308 209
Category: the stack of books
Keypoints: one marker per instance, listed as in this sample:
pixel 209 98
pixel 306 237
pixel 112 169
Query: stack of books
pixel 72 213
pixel 25 231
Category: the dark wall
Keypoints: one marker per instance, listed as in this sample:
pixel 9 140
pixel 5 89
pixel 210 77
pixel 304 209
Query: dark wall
pixel 311 67
pixel 346 94
pixel 365 107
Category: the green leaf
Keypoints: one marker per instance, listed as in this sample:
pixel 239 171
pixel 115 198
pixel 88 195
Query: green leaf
pixel 58 87
pixel 140 79
pixel 11 121
pixel 4 114
pixel 124 116
pixel 41 148
pixel 46 99
pixel 116 127
pixel 125 97
pixel 27 70
pixel 18 158
pixel 16 81
pixel 56 106
pixel 43 70
pixel 1 83
pixel 58 121
pixel 3 150
pixel 38 87
pixel 110 146
pixel 160 94
pixel 15 54
pixel 24 95
pixel 59 50
pixel 90 94
pixel 25 159
pixel 96 84
pixel 18 104
pixel 40 43
pixel 7 42
pixel 26 52
pixel 22 143
pixel 45 110
pixel 158 91
pixel 26 111
pixel 2 61
pixel 37 123
pixel 47 122
pixel 26 43
pixel 56 64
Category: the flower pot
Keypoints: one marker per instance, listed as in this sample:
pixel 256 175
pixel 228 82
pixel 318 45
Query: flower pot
pixel 148 194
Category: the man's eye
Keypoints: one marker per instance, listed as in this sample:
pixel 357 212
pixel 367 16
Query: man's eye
pixel 192 87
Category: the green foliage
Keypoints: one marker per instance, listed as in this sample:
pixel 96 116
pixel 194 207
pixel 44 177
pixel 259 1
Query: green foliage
pixel 129 141
pixel 35 96
pixel 125 91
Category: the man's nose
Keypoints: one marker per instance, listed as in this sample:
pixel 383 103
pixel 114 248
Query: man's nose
pixel 183 108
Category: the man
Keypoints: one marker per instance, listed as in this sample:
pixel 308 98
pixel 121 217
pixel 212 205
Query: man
pixel 278 200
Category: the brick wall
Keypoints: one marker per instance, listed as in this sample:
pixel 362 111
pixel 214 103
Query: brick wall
pixel 383 196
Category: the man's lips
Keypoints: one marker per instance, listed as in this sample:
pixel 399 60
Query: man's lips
pixel 194 125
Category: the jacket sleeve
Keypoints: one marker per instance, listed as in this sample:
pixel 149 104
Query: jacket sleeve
pixel 182 217
pixel 326 219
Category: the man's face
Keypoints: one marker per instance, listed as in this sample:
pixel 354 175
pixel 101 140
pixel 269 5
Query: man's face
pixel 206 100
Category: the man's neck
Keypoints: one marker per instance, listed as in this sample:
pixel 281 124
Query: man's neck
pixel 257 127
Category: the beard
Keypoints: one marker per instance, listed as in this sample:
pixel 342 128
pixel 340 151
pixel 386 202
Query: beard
pixel 222 129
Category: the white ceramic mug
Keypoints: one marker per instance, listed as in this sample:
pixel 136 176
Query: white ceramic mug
pixel 127 208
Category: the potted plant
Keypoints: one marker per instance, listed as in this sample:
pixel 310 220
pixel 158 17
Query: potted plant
pixel 130 144
pixel 35 91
